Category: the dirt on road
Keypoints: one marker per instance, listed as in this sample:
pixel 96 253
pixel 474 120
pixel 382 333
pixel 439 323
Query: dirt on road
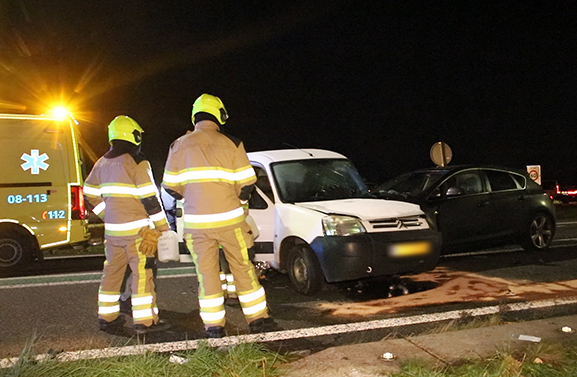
pixel 456 287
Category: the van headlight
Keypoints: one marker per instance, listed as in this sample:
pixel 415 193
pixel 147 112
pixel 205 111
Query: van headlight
pixel 342 226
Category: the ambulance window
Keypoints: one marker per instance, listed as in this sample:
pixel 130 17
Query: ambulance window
pixel 85 164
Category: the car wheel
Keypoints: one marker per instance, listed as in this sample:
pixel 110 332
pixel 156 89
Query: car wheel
pixel 539 233
pixel 304 270
pixel 15 250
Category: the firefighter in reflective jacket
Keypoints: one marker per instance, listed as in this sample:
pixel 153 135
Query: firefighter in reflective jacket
pixel 121 191
pixel 211 171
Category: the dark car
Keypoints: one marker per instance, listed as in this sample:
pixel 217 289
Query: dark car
pixel 560 192
pixel 551 188
pixel 478 205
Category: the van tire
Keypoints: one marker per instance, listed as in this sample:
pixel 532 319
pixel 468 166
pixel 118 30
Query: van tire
pixel 304 270
pixel 16 249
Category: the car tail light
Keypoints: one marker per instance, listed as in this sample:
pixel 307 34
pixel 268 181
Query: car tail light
pixel 77 198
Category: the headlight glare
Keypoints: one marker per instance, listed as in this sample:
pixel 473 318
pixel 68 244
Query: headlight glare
pixel 342 226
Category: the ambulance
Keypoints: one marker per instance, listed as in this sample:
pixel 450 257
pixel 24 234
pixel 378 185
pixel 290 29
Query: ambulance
pixel 41 198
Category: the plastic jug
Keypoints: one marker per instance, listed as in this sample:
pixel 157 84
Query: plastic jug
pixel 168 247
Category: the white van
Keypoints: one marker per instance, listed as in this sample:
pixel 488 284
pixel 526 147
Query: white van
pixel 318 222
pixel 41 198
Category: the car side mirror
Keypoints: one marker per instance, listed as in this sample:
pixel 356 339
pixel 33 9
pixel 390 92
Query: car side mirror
pixel 454 191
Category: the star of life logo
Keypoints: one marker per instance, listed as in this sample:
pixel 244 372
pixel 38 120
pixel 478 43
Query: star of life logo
pixel 34 161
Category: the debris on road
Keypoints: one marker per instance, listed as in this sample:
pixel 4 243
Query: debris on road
pixel 526 338
pixel 177 359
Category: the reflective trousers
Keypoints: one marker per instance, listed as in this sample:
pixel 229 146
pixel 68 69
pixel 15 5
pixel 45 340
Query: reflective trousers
pixel 226 278
pixel 204 249
pixel 120 252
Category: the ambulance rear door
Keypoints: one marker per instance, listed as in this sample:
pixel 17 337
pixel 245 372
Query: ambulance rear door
pixel 35 184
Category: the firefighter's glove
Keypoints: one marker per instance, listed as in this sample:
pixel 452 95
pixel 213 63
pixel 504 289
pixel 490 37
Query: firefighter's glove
pixel 149 242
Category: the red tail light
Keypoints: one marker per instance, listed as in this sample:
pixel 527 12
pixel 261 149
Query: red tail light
pixel 77 198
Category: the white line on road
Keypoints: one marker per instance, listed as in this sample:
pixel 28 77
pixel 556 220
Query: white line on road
pixel 81 278
pixel 295 334
pixel 510 249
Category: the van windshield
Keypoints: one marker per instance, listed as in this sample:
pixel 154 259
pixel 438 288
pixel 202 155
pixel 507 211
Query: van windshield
pixel 319 179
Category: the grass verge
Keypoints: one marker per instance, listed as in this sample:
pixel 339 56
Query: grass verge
pixel 244 360
pixel 466 323
pixel 542 360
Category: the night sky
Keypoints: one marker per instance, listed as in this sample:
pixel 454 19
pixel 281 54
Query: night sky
pixel 378 81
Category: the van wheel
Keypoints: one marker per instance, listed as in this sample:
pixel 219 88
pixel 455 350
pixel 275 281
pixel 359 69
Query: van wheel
pixel 304 270
pixel 538 233
pixel 15 250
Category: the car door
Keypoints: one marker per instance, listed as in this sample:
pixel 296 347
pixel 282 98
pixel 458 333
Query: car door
pixel 462 208
pixel 261 209
pixel 507 198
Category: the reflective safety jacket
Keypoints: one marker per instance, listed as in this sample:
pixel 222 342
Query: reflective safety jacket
pixel 122 192
pixel 212 172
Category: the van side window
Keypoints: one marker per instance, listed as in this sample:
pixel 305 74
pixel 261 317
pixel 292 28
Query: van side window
pixel 256 201
pixel 263 183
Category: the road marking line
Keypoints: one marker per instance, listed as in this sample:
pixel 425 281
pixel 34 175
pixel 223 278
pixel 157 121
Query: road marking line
pixel 294 334
pixel 58 257
pixel 83 278
pixel 565 223
pixel 510 249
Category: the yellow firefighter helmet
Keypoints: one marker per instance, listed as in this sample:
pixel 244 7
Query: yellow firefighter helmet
pixel 212 105
pixel 125 128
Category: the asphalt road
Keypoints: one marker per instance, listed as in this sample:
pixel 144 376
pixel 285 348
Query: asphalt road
pixel 57 311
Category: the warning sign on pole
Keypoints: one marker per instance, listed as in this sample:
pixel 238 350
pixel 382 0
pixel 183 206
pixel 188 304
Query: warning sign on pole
pixel 534 172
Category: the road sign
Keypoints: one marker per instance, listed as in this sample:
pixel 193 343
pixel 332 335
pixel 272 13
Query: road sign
pixel 534 172
pixel 441 154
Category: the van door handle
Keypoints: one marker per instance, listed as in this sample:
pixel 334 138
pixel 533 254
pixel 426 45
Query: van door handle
pixel 483 204
pixel 520 198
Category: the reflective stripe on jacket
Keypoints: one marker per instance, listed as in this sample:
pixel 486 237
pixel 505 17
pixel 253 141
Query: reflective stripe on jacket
pixel 209 169
pixel 124 195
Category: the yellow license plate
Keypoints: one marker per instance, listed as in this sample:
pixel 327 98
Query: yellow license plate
pixel 410 249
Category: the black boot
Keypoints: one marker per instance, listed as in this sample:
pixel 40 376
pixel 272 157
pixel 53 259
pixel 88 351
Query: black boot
pixel 141 329
pixel 112 327
pixel 263 325
pixel 215 332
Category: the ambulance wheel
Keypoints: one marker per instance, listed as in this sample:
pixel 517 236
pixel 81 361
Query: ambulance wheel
pixel 304 270
pixel 16 249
